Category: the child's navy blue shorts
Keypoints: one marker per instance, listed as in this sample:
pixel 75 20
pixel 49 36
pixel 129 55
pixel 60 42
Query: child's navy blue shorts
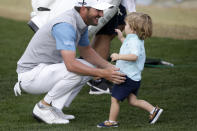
pixel 122 91
pixel 109 28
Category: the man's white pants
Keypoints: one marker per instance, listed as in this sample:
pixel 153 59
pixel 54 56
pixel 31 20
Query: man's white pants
pixel 60 85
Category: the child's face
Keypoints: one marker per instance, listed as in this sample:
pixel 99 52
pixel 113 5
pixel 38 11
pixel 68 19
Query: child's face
pixel 128 29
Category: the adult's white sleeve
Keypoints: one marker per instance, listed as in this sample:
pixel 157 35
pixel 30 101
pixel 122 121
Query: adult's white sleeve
pixel 130 5
pixel 40 3
pixel 108 15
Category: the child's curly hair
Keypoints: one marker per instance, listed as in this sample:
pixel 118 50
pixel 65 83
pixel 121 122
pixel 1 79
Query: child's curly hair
pixel 141 23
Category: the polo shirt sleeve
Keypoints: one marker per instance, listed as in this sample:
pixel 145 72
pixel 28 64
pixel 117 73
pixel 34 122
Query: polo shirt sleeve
pixel 84 41
pixel 65 36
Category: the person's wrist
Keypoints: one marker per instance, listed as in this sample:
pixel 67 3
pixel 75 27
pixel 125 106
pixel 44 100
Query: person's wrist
pixel 100 73
pixel 118 57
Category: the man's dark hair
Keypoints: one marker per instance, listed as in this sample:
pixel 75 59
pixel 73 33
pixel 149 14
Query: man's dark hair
pixel 77 8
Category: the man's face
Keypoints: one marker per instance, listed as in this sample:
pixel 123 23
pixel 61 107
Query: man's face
pixel 93 15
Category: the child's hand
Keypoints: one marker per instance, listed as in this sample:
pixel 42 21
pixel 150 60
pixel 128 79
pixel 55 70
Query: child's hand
pixel 120 35
pixel 114 56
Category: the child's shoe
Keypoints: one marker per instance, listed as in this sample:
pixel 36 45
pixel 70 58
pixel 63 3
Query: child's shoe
pixel 155 116
pixel 107 124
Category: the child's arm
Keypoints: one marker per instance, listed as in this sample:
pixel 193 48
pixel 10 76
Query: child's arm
pixel 128 57
pixel 120 35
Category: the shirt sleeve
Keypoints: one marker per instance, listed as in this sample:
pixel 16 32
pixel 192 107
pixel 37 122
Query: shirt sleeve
pixel 84 41
pixel 65 36
pixel 130 5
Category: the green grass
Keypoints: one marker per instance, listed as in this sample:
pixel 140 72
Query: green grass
pixel 173 89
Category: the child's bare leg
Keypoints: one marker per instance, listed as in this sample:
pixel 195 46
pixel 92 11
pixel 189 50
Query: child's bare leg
pixel 114 109
pixel 132 99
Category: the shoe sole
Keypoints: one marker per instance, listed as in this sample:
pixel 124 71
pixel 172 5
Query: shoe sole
pixel 69 118
pixel 105 127
pixel 88 83
pixel 157 116
pixel 98 93
pixel 38 118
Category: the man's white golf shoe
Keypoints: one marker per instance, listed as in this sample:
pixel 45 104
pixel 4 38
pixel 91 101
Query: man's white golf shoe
pixel 48 114
pixel 64 116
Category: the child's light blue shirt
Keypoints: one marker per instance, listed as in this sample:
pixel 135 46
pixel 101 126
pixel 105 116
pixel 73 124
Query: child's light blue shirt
pixel 132 45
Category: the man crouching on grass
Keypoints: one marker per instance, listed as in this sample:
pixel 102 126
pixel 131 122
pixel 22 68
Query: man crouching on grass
pixel 49 63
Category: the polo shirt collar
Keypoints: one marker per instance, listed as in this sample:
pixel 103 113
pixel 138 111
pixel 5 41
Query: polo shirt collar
pixel 80 23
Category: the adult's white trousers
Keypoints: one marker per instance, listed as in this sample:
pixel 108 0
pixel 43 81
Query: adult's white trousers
pixel 60 85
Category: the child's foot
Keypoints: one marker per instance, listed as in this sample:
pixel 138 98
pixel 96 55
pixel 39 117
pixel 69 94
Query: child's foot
pixel 155 116
pixel 107 124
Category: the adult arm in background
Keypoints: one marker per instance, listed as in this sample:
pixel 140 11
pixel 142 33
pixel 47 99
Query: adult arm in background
pixel 130 6
pixel 108 15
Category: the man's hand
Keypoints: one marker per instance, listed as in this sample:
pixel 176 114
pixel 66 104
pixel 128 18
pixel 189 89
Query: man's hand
pixel 113 75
